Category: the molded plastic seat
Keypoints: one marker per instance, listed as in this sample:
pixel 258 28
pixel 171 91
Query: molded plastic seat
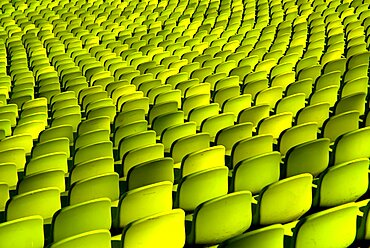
pixel 91 168
pixel 167 230
pixel 247 173
pixel 232 210
pixel 105 185
pixel 352 145
pixel 231 135
pixel 250 147
pixel 83 217
pixel 297 135
pixel 201 186
pixel 44 202
pixel 285 201
pixel 275 124
pixel 342 183
pixel 143 202
pixel 266 237
pixel 332 227
pixel 203 159
pixel 22 232
pixel 140 155
pixel 214 124
pixel 153 171
pixel 93 239
pixel 340 124
pixel 310 157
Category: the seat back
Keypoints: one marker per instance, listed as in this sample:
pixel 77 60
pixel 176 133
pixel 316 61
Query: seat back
pixel 232 212
pixel 143 202
pixel 22 232
pixel 167 229
pixel 286 200
pixel 332 227
pixel 83 217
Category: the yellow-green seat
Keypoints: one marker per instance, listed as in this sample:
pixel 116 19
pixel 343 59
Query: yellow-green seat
pixel 93 239
pixel 334 227
pixel 231 212
pixel 83 217
pixel 44 202
pixel 166 229
pixel 285 201
pixel 22 232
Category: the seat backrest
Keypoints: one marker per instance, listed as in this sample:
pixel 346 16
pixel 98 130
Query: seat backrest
pixel 203 159
pixel 44 202
pixel 44 179
pixel 214 124
pixel 167 229
pixel 143 202
pixel 270 236
pixel 135 141
pixel 175 132
pixel 340 124
pixel 22 232
pixel 104 185
pixel 91 168
pixel 297 135
pixel 332 227
pixel 286 200
pixel 150 172
pixel 310 157
pixel 91 151
pixel 83 217
pixel 342 183
pixel 231 135
pixel 233 210
pixel 186 145
pixel 141 155
pixel 275 124
pixel 247 173
pixel 51 146
pixel 98 238
pixel 352 145
pixel 56 160
pixel 201 186
pixel 250 147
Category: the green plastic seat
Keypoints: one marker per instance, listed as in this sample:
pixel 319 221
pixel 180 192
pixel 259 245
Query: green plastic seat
pixel 214 124
pixel 351 146
pixel 175 132
pixel 266 237
pixel 93 150
pixel 96 136
pixel 297 135
pixel 309 157
pixel 91 168
pixel 143 202
pixel 250 147
pixel 275 124
pixel 201 186
pixel 201 160
pixel 332 227
pixel 44 202
pixel 104 185
pixel 232 210
pixel 95 238
pixel 285 201
pixel 44 179
pixel 140 155
pixel 314 113
pixel 91 215
pixel 167 230
pixel 342 183
pixel 153 171
pixel 22 232
pixel 247 173
pixel 55 160
pixel 340 124
pixel 231 135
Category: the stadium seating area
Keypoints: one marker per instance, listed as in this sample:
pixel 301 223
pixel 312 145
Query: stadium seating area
pixel 184 123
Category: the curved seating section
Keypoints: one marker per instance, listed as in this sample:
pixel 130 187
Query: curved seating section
pixel 233 123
